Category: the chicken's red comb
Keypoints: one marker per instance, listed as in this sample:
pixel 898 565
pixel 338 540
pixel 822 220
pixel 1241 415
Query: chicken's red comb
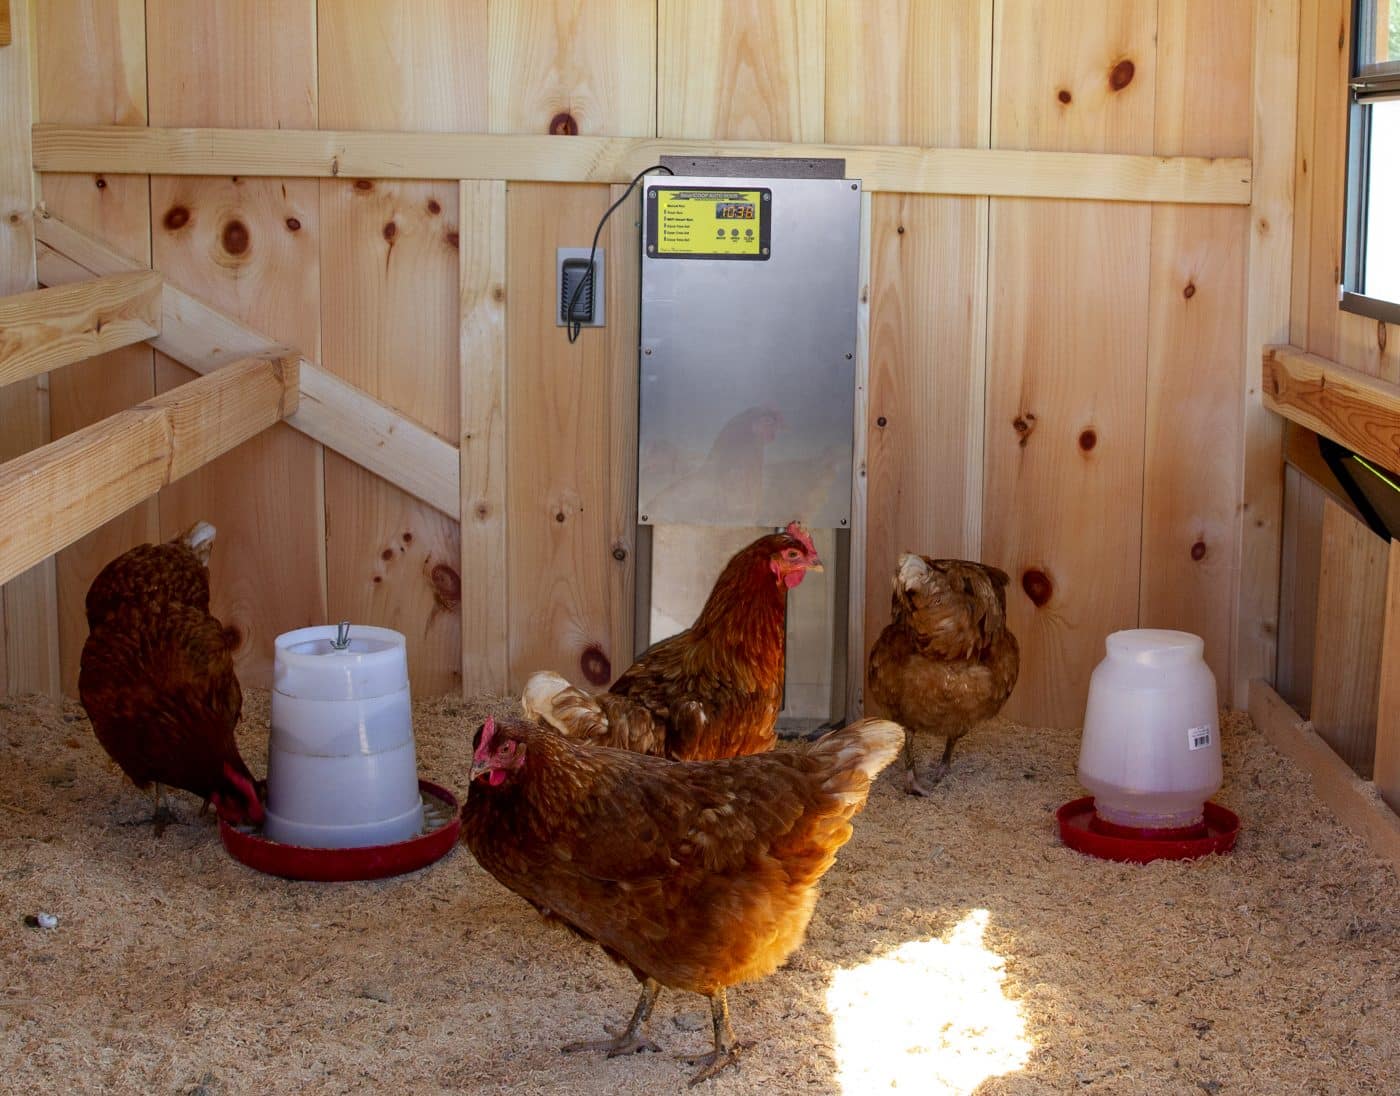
pixel 487 730
pixel 798 531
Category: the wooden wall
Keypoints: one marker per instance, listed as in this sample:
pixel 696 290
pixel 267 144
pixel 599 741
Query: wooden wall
pixel 1055 386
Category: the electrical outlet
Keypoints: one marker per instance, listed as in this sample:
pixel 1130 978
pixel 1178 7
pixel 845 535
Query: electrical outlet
pixel 571 267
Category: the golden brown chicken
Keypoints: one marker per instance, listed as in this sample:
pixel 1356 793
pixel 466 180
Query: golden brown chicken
pixel 696 875
pixel 711 691
pixel 157 679
pixel 946 660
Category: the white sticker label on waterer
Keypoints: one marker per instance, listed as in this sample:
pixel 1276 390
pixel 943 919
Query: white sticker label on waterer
pixel 1198 738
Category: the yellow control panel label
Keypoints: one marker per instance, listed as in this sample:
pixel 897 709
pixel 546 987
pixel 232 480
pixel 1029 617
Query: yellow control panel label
pixel 715 223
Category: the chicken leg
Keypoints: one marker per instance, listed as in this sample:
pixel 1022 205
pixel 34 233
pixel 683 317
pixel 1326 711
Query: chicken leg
pixel 630 1040
pixel 726 1052
pixel 912 784
pixel 163 814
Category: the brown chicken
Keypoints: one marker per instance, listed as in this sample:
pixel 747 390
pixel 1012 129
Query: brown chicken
pixel 157 678
pixel 696 875
pixel 946 660
pixel 709 692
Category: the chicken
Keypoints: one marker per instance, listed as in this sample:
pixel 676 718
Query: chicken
pixel 709 692
pixel 696 875
pixel 946 660
pixel 157 678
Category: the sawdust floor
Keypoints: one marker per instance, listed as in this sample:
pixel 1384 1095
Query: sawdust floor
pixel 956 947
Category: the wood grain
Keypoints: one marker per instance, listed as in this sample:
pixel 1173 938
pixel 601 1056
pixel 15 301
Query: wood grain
pixel 1267 274
pixel 249 247
pixel 390 260
pixel 29 651
pixel 91 69
pixel 384 154
pixel 55 494
pixel 557 451
pixel 1387 766
pixel 1347 645
pixel 48 329
pixel 1300 561
pixel 1348 406
pixel 564 68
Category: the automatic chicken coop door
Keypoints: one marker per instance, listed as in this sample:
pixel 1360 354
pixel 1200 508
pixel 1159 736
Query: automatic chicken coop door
pixel 749 283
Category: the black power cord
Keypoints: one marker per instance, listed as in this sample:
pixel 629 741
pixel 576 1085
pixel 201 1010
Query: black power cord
pixel 574 325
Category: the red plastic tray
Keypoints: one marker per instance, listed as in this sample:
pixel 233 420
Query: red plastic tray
pixel 340 865
pixel 1082 831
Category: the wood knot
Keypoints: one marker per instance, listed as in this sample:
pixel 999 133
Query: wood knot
pixel 498 292
pixel 900 229
pixel 364 184
pixel 559 516
pixel 1088 439
pixel 234 237
pixel 563 124
pixel 293 225
pixel 1038 587
pixel 619 553
pixel 596 667
pixel 101 183
pixel 1121 75
pixel 434 206
pixel 882 422
pixel 451 238
pixel 1024 425
pixel 482 511
pixel 233 637
pixel 1189 291
pixel 1198 551
pixel 176 218
pixel 387 554
pixel 407 537
pixel 447 586
pixel 1064 96
pixel 1381 336
pixel 390 231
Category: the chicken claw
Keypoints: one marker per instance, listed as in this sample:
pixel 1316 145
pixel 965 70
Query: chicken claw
pixel 912 784
pixel 726 1052
pixel 630 1040
pixel 163 814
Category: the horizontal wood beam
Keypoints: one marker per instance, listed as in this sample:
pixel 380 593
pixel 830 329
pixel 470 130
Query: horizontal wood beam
pixel 61 491
pixel 1350 407
pixel 1350 798
pixel 393 155
pixel 335 413
pixel 49 328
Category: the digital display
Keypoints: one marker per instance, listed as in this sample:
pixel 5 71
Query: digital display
pixel 700 222
pixel 734 211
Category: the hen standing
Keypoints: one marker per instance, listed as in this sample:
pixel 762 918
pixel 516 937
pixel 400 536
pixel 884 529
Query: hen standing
pixel 696 875
pixel 709 692
pixel 946 660
pixel 157 677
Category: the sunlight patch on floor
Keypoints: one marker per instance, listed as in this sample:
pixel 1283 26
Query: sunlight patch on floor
pixel 928 1017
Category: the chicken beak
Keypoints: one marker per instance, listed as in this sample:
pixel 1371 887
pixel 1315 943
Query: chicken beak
pixel 477 769
pixel 815 565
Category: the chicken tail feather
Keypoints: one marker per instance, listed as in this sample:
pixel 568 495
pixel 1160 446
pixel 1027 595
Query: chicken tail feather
pixel 549 697
pixel 199 539
pixel 856 755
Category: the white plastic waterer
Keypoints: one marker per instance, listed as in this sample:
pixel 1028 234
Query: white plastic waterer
pixel 341 768
pixel 1151 747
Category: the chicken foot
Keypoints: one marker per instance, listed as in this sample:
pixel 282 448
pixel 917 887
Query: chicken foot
pixel 163 812
pixel 630 1040
pixel 912 784
pixel 726 1052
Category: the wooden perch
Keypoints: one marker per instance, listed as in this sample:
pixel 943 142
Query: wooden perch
pixel 61 491
pixel 50 328
pixel 334 412
pixel 285 153
pixel 1356 410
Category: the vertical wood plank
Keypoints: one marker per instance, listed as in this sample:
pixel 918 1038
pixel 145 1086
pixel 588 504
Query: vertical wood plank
pixel 918 72
pixel 29 658
pixel 249 247
pixel 557 450
pixel 1269 281
pixel 858 633
pixel 1347 649
pixel 1303 172
pixel 1387 768
pixel 1300 559
pixel 391 310
pixel 91 59
pixel 485 565
pixel 1067 360
pixel 1329 52
pixel 563 67
pixel 755 73
pixel 1197 308
pixel 623 336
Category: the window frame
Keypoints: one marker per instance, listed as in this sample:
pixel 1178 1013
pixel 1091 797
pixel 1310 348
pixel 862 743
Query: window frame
pixel 1368 83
